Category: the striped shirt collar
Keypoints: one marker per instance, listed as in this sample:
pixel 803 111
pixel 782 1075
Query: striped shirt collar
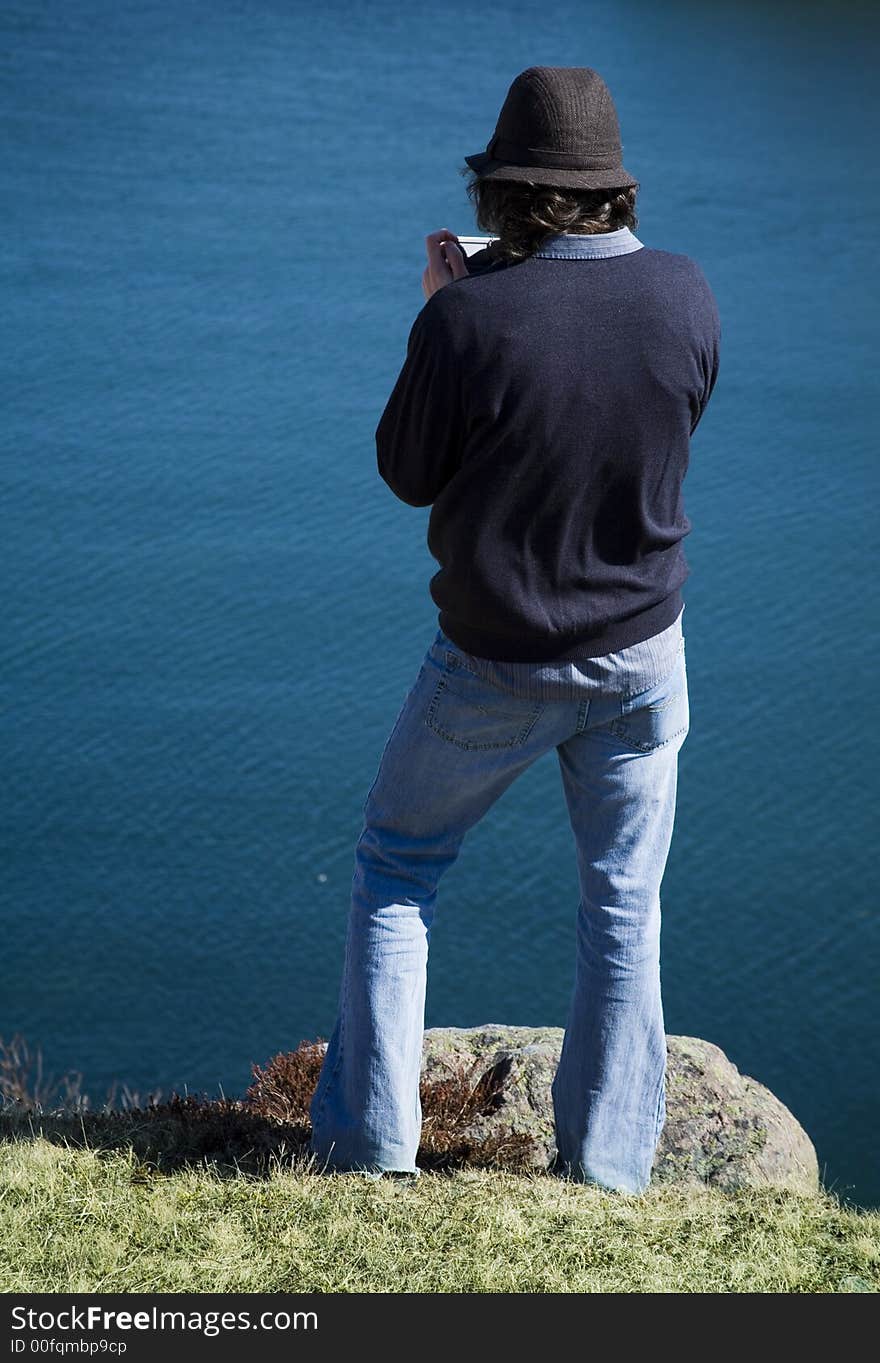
pixel 578 246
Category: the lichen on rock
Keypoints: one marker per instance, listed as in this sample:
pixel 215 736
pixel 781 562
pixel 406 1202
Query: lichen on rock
pixel 723 1129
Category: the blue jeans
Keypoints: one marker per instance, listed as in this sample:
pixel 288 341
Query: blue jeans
pixel 467 729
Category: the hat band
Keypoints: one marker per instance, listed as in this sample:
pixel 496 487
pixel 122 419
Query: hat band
pixel 517 155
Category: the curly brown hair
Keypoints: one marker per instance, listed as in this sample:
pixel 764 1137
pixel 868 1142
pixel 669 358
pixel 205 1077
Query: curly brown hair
pixel 523 214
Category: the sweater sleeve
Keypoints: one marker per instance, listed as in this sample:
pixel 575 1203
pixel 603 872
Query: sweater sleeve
pixel 419 436
pixel 709 357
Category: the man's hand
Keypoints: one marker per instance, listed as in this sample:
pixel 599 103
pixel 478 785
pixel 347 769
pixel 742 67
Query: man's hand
pixel 445 261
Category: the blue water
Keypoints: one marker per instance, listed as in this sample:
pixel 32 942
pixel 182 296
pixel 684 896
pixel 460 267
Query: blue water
pixel 211 256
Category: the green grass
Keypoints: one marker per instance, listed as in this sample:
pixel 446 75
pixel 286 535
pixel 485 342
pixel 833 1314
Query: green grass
pixel 83 1220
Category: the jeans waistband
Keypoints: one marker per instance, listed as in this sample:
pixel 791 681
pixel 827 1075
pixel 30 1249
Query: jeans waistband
pixel 627 672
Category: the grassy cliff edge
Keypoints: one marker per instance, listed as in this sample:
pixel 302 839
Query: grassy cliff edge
pixel 85 1220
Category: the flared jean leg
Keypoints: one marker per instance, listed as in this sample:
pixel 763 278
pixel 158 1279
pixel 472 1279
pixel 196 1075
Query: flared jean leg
pixel 455 748
pixel 609 1096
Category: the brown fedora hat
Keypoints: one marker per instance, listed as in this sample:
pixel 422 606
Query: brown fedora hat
pixel 557 126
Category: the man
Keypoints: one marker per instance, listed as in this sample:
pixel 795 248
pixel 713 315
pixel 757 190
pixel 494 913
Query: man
pixel 544 411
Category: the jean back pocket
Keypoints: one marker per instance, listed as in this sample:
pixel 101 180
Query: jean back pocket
pixel 657 716
pixel 470 712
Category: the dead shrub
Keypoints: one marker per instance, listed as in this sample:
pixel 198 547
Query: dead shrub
pixel 283 1090
pixel 270 1125
pixel 453 1105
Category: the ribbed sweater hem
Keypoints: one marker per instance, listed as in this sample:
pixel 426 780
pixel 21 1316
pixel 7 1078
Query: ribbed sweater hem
pixel 564 648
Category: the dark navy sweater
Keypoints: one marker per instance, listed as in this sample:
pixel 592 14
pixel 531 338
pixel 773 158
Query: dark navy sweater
pixel 544 411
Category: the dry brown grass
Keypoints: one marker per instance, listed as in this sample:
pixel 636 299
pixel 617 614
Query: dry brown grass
pixel 450 1105
pixel 268 1127
pixel 23 1078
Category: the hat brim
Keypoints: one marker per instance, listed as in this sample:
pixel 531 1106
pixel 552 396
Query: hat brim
pixel 489 169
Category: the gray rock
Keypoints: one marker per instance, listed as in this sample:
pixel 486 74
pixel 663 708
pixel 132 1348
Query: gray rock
pixel 722 1128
